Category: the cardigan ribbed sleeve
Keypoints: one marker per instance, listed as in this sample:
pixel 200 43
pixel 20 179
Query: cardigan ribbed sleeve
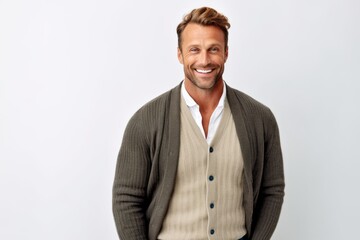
pixel 270 199
pixel 129 191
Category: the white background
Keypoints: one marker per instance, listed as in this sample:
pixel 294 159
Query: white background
pixel 72 72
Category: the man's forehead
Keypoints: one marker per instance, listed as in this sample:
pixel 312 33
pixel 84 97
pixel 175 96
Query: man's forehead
pixel 196 32
pixel 195 27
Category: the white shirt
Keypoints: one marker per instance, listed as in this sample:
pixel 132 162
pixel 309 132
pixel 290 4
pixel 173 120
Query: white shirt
pixel 195 112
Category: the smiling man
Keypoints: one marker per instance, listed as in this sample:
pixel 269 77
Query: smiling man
pixel 203 160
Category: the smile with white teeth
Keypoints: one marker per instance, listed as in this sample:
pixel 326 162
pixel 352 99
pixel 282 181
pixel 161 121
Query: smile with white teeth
pixel 203 70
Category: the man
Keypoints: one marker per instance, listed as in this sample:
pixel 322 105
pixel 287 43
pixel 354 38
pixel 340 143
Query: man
pixel 203 160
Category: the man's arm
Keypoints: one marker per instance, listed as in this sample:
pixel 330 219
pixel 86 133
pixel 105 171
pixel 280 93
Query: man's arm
pixel 267 211
pixel 130 184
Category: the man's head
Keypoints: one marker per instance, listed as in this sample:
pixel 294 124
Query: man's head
pixel 203 50
pixel 204 16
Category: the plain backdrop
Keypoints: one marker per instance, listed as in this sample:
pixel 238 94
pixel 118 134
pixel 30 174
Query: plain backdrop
pixel 72 72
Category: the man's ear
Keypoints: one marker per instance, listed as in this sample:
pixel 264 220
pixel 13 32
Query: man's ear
pixel 226 53
pixel 179 55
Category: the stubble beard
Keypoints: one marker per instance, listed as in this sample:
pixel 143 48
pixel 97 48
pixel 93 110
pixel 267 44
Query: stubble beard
pixel 195 81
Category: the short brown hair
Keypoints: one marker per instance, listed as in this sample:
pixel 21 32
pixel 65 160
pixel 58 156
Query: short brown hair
pixel 204 16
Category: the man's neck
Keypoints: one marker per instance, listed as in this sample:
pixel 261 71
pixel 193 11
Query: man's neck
pixel 207 99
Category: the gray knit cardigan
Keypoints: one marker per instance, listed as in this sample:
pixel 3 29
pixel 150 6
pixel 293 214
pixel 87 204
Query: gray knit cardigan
pixel 147 164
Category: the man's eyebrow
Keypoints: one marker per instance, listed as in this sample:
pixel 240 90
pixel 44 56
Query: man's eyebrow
pixel 215 45
pixel 193 45
pixel 198 45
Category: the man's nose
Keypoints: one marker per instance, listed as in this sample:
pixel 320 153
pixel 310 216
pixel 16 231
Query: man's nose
pixel 204 58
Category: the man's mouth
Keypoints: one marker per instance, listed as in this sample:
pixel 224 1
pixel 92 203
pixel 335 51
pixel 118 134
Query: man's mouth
pixel 204 70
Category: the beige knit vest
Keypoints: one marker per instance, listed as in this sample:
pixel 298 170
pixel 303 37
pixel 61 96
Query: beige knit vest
pixel 208 194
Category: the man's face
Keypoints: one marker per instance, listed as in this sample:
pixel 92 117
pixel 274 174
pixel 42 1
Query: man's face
pixel 203 54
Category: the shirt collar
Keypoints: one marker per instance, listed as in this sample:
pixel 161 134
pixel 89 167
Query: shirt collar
pixel 190 102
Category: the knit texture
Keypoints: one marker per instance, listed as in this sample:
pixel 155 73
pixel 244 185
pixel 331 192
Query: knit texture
pixel 148 159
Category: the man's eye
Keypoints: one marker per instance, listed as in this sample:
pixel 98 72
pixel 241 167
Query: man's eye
pixel 194 50
pixel 214 49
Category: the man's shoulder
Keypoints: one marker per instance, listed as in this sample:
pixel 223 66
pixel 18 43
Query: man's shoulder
pixel 247 102
pixel 158 106
pixel 162 99
pixel 255 112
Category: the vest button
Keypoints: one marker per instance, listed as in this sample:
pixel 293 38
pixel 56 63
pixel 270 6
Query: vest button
pixel 212 231
pixel 212 205
pixel 211 177
pixel 211 149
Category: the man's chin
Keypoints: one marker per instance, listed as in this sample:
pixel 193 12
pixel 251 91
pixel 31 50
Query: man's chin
pixel 204 84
